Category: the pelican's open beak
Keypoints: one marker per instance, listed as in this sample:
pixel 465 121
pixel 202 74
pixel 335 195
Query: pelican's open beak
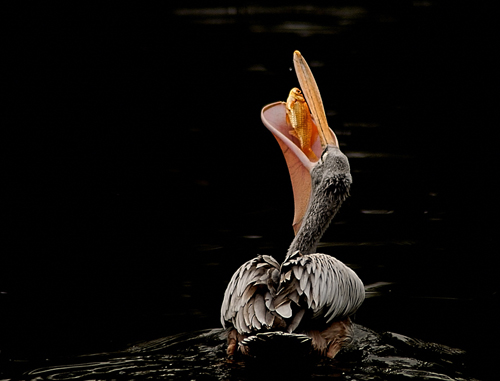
pixel 299 165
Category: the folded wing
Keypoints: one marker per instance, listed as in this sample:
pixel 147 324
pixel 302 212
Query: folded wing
pixel 319 285
pixel 248 303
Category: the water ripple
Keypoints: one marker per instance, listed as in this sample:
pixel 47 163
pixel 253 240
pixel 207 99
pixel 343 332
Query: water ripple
pixel 201 355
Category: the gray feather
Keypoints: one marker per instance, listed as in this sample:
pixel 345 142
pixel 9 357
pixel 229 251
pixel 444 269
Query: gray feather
pixel 296 321
pixel 260 308
pixel 249 291
pixel 247 312
pixel 269 319
pixel 303 282
pixel 298 270
pixel 284 310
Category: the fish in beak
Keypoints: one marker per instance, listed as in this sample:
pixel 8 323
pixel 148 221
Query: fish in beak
pixel 301 129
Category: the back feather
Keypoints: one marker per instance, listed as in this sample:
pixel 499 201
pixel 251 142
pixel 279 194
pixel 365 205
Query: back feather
pixel 262 295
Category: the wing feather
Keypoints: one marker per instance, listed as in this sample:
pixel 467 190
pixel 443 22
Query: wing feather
pixel 269 319
pixel 284 309
pixel 303 282
pixel 296 320
pixel 240 323
pixel 271 261
pixel 323 284
pixel 260 308
pixel 317 283
pixel 297 271
pixel 249 291
pixel 249 295
pixel 248 313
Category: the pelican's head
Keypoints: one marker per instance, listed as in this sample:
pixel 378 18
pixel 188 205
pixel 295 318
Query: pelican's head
pixel 331 170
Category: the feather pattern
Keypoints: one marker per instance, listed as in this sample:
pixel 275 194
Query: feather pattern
pixel 329 289
pixel 248 301
pixel 314 284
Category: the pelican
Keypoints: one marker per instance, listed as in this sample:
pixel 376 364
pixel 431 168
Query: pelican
pixel 309 296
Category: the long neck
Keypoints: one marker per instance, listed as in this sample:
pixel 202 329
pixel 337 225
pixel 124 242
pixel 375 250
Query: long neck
pixel 324 203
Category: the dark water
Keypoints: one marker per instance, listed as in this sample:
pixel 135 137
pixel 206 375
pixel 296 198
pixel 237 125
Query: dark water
pixel 140 177
pixel 201 355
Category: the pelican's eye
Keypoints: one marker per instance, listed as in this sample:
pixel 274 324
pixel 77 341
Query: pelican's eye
pixel 324 155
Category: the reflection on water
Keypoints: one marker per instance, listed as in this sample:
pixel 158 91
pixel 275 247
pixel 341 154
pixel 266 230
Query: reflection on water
pixel 201 356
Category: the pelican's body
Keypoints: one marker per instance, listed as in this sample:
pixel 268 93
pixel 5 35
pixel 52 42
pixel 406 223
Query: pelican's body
pixel 309 296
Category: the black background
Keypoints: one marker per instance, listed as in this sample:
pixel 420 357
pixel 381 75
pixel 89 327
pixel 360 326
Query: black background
pixel 138 175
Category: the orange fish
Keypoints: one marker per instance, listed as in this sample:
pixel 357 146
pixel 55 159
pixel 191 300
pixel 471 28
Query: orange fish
pixel 299 119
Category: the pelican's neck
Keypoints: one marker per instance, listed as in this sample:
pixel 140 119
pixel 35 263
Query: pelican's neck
pixel 315 222
pixel 329 188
